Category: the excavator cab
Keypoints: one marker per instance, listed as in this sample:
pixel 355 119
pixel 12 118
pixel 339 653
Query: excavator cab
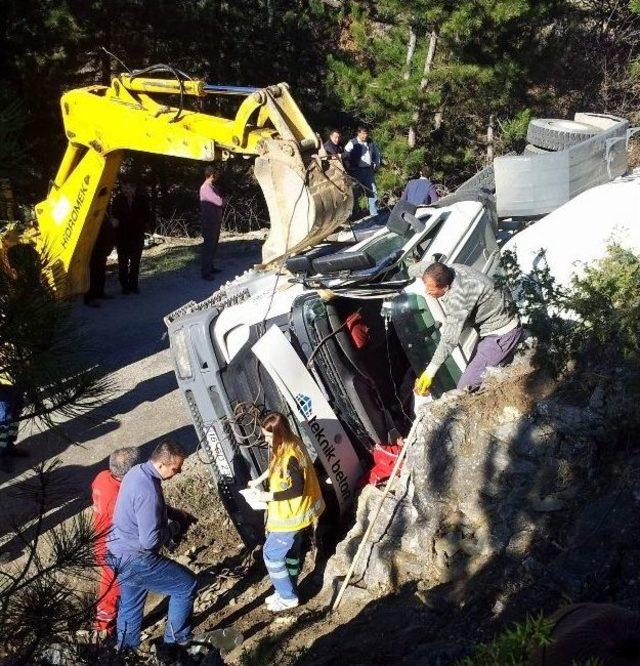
pixel 308 195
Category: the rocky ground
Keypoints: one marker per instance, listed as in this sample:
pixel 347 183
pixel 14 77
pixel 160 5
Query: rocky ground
pixel 514 501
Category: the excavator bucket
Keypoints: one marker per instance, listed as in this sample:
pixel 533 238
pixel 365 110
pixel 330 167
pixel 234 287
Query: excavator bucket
pixel 308 198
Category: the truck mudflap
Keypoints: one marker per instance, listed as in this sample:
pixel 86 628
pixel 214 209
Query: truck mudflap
pixel 313 413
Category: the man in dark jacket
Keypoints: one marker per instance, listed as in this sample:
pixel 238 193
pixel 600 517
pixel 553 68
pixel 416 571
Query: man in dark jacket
pixel 131 212
pixel 362 159
pixel 141 526
pixel 420 191
pixel 332 144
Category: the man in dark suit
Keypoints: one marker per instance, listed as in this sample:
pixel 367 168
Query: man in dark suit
pixel 131 210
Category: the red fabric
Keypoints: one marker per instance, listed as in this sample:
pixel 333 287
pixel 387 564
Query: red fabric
pixel 358 330
pixel 384 458
pixel 104 492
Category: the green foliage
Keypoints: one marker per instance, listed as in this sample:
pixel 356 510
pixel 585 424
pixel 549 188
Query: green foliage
pixel 513 131
pixel 515 646
pixel 42 350
pixel 607 301
pixel 598 314
pixel 485 53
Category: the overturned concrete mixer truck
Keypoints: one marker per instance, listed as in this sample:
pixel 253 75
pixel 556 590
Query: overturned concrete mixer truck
pixel 279 338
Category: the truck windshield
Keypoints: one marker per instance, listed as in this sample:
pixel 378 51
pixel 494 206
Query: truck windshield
pixel 382 247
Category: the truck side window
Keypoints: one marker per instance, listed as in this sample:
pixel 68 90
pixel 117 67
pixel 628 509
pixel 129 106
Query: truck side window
pixel 471 252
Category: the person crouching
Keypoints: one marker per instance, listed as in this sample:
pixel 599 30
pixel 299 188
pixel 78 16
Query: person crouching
pixel 294 502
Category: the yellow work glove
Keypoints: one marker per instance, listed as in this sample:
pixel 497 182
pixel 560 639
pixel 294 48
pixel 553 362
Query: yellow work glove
pixel 423 384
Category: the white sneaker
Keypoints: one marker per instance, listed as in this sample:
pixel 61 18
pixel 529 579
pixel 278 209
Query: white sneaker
pixel 271 598
pixel 279 604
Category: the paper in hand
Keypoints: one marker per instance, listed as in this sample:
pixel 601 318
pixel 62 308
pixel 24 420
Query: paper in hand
pixel 251 497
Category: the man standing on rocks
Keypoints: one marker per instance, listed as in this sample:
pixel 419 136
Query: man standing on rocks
pixel 140 528
pixel 468 295
pixel 362 159
pixel 420 191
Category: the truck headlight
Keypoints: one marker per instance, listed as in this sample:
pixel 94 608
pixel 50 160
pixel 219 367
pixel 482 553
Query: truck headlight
pixel 181 354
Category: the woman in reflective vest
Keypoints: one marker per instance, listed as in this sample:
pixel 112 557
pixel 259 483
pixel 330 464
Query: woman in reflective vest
pixel 294 502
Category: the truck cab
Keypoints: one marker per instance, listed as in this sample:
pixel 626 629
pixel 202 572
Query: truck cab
pixel 334 340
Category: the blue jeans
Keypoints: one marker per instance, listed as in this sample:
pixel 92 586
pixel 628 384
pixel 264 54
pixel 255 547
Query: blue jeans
pixel 146 573
pixel 10 408
pixel 367 186
pixel 281 554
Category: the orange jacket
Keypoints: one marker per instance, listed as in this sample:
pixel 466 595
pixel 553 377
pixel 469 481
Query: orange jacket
pixel 104 493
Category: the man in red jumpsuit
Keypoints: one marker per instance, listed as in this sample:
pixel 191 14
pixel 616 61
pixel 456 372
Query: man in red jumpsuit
pixel 104 492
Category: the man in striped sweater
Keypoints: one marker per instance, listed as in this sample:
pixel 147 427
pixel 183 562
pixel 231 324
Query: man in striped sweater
pixel 468 295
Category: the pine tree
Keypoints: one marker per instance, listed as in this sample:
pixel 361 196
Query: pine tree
pixel 431 76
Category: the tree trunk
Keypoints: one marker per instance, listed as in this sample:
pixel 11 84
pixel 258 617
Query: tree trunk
pixel 437 118
pixel 490 140
pixel 428 62
pixel 426 70
pixel 411 49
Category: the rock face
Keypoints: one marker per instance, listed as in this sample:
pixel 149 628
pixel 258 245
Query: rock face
pixel 509 480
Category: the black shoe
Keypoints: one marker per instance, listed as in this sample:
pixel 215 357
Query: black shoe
pixel 215 270
pixel 106 297
pixel 134 290
pixel 18 453
pixel 126 292
pixel 173 654
pixel 209 278
pixel 6 464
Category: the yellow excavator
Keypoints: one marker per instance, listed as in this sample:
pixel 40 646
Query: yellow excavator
pixel 308 195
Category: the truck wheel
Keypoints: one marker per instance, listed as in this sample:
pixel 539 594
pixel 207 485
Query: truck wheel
pixel 557 134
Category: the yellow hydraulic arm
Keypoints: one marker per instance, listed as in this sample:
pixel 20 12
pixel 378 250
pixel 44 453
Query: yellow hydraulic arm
pixel 308 196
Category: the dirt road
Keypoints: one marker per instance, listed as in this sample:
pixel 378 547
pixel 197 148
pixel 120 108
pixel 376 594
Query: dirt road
pixel 126 335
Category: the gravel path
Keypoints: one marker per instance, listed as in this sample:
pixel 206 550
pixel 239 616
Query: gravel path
pixel 127 336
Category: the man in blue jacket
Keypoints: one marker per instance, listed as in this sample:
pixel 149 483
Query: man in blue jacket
pixel 141 527
pixel 420 191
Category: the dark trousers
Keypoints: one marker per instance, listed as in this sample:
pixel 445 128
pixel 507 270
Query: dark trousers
pixel 211 220
pixel 98 263
pixel 98 270
pixel 129 255
pixel 492 351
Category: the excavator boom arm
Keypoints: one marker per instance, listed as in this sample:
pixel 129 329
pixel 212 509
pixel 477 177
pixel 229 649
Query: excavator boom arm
pixel 307 196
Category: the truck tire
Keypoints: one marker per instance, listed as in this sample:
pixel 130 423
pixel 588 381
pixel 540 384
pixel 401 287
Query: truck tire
pixel 557 134
pixel 530 149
